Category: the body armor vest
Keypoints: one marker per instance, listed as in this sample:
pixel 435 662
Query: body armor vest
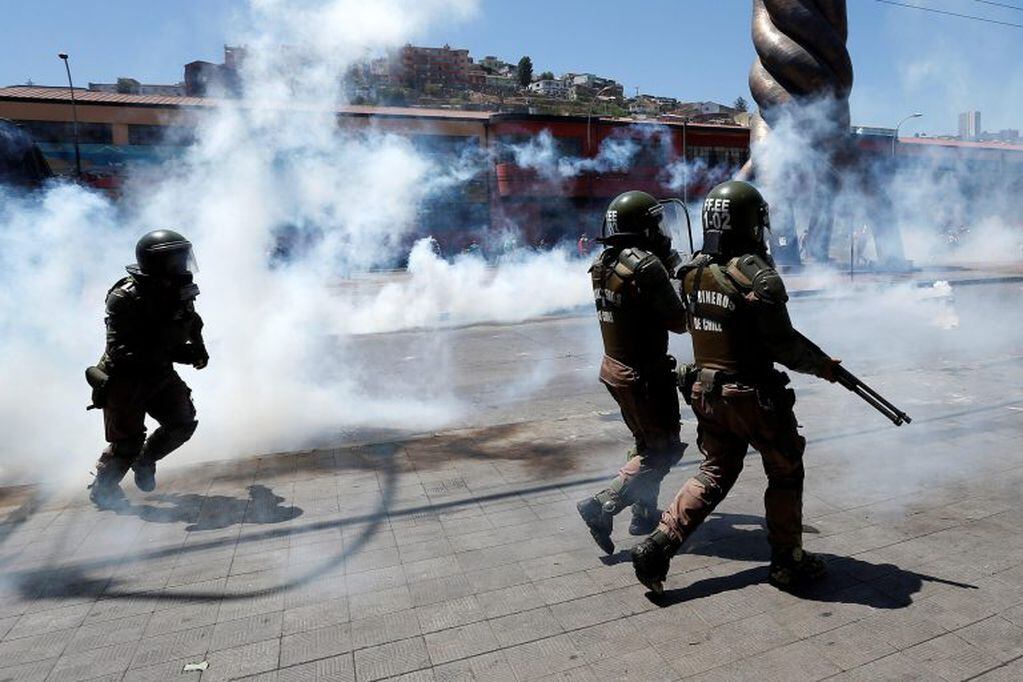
pixel 632 333
pixel 721 321
pixel 148 330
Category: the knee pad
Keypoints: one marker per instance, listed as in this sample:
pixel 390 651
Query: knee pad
pixel 168 438
pixel 610 500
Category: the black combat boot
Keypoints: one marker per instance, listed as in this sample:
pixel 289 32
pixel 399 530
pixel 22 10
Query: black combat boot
pixel 598 513
pixel 145 474
pixel 794 568
pixel 651 559
pixel 105 491
pixel 644 519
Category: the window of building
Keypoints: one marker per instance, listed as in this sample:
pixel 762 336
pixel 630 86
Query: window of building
pixel 720 156
pixel 160 135
pixel 62 132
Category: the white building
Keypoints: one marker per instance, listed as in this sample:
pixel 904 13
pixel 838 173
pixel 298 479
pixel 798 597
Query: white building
pixel 550 88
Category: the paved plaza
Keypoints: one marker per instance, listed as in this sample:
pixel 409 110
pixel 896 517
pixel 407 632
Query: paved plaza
pixel 458 555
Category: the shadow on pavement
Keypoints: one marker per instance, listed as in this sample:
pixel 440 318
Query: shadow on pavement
pixel 741 537
pixel 213 512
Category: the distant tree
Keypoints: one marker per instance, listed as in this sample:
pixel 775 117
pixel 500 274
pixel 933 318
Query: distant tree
pixel 524 71
pixel 547 76
pixel 741 104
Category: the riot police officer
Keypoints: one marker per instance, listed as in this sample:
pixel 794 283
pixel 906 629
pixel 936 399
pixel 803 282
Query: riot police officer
pixel 736 316
pixel 151 324
pixel 637 305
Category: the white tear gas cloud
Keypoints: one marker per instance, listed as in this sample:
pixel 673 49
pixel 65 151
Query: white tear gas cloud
pixel 279 375
pixel 945 205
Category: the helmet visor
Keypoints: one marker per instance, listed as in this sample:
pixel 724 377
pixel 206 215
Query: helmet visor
pixel 174 259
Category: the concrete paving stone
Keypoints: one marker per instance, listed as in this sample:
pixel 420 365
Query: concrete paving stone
pixel 242 606
pixel 235 633
pixel 798 661
pixel 510 600
pixel 997 636
pixel 313 644
pixel 535 659
pixel 525 626
pixel 951 657
pixel 229 664
pixel 40 622
pixel 276 561
pixel 381 629
pixel 34 648
pixel 566 587
pixel 115 608
pixel 36 671
pixel 641 664
pixel 168 670
pixel 1008 672
pixel 6 624
pixel 376 580
pixel 334 669
pixel 490 667
pixel 312 586
pixel 317 615
pixel 439 589
pixel 388 660
pixel 607 639
pixel 86 665
pixel 200 571
pixel 852 645
pixel 372 559
pixel 185 617
pixel 497 577
pixel 449 614
pixel 578 613
pixel 107 633
pixel 429 569
pixel 460 642
pixel 554 565
pixel 753 635
pixel 697 655
pixel 366 604
pixel 161 648
pixel 417 549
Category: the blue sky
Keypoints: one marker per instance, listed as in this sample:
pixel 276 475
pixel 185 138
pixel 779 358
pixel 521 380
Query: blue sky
pixel 905 60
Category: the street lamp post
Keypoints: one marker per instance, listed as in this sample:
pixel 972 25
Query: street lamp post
pixel 895 135
pixel 589 115
pixel 74 115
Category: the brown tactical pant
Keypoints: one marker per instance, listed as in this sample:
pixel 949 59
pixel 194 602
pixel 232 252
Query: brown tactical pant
pixel 727 425
pixel 649 405
pixel 166 398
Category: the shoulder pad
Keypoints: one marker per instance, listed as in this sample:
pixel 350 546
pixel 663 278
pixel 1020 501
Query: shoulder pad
pixel 630 261
pixel 755 273
pixel 122 296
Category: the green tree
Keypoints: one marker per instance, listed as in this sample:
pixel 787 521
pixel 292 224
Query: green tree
pixel 740 104
pixel 547 76
pixel 524 71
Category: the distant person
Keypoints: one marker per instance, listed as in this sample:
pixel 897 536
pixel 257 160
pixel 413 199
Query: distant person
pixel 637 305
pixel 740 327
pixel 583 245
pixel 151 324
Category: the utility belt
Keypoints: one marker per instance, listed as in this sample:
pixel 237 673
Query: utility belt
pixel 769 386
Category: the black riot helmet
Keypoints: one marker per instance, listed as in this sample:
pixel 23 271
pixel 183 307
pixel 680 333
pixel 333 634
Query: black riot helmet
pixel 165 253
pixel 735 218
pixel 633 216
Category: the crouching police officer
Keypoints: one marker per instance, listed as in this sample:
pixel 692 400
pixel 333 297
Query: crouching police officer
pixel 736 316
pixel 637 305
pixel 151 324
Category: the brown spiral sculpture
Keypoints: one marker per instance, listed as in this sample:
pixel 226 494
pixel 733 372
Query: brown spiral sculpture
pixel 802 57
